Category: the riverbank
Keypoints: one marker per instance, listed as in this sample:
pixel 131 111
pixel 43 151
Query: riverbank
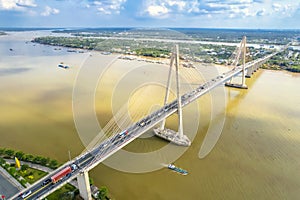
pixel 160 54
pixel 22 178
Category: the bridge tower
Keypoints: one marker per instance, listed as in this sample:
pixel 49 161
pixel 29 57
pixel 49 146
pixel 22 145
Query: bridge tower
pixel 176 137
pixel 84 185
pixel 242 50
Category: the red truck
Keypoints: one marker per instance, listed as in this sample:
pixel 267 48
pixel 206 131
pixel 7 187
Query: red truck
pixel 64 172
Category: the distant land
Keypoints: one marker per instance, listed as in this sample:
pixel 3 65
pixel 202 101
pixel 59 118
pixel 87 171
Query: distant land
pixel 124 40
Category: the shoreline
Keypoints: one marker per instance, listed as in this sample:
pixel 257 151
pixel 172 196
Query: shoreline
pixel 185 61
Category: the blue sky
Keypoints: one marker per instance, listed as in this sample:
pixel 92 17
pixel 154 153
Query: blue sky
pixel 278 14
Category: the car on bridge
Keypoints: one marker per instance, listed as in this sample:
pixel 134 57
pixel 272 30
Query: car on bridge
pixel 144 122
pixel 25 194
pixel 46 182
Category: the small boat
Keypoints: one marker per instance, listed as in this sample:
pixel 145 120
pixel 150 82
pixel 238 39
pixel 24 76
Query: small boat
pixel 63 66
pixel 177 169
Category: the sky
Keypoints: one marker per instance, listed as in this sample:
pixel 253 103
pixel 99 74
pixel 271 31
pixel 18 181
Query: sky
pixel 252 14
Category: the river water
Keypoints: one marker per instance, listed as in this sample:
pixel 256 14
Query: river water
pixel 256 157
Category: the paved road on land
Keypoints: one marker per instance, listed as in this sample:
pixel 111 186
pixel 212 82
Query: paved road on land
pixel 6 188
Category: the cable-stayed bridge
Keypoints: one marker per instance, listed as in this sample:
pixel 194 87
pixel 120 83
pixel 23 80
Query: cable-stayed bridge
pixel 79 166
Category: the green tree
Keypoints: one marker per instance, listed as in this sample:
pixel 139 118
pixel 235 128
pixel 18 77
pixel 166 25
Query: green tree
pixel 24 167
pixel 7 166
pixel 9 152
pixel 28 157
pixel 91 181
pixel 2 151
pixel 45 161
pixel 23 182
pixel 53 164
pixel 19 154
pixel 37 159
pixel 2 161
pixel 12 170
pixel 103 192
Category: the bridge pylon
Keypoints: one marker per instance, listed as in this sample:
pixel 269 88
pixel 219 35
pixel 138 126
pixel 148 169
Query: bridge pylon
pixel 241 51
pixel 84 185
pixel 176 137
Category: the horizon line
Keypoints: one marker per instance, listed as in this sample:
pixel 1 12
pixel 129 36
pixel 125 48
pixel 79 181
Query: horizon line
pixel 145 27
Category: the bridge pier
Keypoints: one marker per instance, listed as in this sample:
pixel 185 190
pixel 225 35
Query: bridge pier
pixel 253 69
pixel 84 185
pixel 176 137
pixel 250 71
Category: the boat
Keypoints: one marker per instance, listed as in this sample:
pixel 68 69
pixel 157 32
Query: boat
pixel 177 169
pixel 63 66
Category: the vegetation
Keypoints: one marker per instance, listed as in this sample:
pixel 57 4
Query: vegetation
pixel 10 154
pixel 31 175
pixel 207 53
pixel 152 52
pixel 103 193
pixel 294 68
pixel 24 175
pixel 67 192
pixel 287 60
pixel 203 34
pixel 129 43
pixel 73 42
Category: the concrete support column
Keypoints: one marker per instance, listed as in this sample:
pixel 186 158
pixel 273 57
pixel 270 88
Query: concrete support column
pixel 250 72
pixel 244 63
pixel 256 66
pixel 84 185
pixel 162 126
pixel 180 128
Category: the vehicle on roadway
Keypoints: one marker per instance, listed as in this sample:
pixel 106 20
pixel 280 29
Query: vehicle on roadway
pixel 25 194
pixel 63 173
pixel 46 182
pixel 122 134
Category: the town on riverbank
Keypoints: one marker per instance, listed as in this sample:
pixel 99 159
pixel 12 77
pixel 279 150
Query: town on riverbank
pixel 203 45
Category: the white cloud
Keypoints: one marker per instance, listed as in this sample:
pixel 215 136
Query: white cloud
pixel 284 9
pixel 261 12
pixel 109 7
pixel 179 3
pixel 49 11
pixel 16 4
pixel 157 11
pixel 161 8
pixel 26 3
